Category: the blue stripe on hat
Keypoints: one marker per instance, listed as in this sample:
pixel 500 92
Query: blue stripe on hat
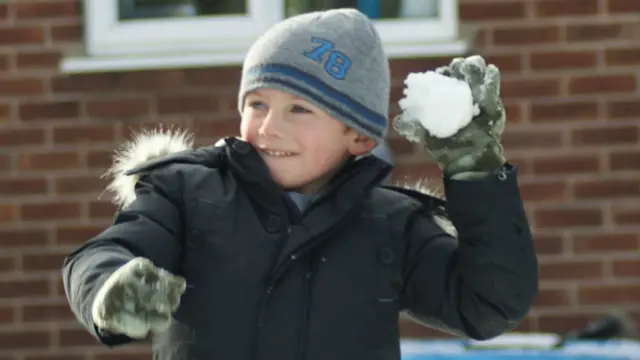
pixel 378 120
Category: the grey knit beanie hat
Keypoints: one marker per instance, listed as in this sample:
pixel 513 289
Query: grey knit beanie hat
pixel 334 59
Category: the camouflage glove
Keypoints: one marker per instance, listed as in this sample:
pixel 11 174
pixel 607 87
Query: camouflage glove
pixel 475 149
pixel 137 298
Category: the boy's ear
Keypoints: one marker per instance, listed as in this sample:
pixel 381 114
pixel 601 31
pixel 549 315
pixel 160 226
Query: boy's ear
pixel 361 144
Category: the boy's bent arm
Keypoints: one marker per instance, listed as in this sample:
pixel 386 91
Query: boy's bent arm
pixel 150 227
pixel 483 283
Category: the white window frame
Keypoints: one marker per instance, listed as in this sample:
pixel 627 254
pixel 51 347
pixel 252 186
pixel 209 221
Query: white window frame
pixel 112 45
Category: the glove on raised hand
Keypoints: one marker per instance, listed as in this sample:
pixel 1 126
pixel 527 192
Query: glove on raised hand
pixel 137 298
pixel 475 148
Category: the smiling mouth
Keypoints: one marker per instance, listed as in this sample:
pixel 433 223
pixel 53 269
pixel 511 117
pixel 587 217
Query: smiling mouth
pixel 277 153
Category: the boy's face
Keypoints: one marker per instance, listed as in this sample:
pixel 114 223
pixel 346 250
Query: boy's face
pixel 302 145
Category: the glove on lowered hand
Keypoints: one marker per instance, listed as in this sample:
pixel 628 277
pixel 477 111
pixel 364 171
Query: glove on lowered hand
pixel 137 298
pixel 475 148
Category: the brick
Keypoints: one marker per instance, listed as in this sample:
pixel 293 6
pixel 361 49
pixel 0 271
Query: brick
pixel 626 268
pixel 21 36
pixel 609 294
pixel 606 189
pixel 554 8
pixel 605 136
pixel 507 63
pixel 101 210
pixel 621 57
pixel 66 32
pixel 151 80
pixel 187 104
pixel 603 84
pixel 526 35
pixel 4 11
pixel 623 6
pixel 548 244
pixel 397 146
pixel 73 338
pixel 492 11
pixel 22 238
pixel 50 211
pixel 47 10
pixel 43 262
pixel 20 87
pixel 526 139
pixel 118 108
pixel 562 323
pixel 49 110
pixel 24 339
pixel 605 242
pixel 5 163
pixel 4 62
pixel 571 270
pixel 218 128
pixel 593 32
pixel 229 76
pixel 626 216
pixel 543 191
pixel 566 165
pixel 8 263
pixel 77 235
pixel 38 60
pixel 568 110
pixel 84 134
pixel 399 68
pixel 561 218
pixel 558 60
pixel 623 109
pixel 530 88
pixel 21 137
pixel 49 161
pixel 79 185
pixel 99 159
pixel 59 355
pixel 7 213
pixel 5 112
pixel 624 160
pixel 7 314
pixel 19 288
pixel 13 187
pixel 84 83
pixel 552 298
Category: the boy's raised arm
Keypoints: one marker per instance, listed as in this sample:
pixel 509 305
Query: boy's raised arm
pixel 483 283
pixel 150 227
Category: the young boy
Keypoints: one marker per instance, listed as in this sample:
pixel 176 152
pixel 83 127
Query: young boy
pixel 282 244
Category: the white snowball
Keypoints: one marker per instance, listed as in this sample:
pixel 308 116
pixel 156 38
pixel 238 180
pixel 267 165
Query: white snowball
pixel 442 104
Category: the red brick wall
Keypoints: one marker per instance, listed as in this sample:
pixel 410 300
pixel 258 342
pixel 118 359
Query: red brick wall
pixel 570 86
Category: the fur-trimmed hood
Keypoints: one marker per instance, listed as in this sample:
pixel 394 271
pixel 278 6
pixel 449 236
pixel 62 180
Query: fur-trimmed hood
pixel 149 144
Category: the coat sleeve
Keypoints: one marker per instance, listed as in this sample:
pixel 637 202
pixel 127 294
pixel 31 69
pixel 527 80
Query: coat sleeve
pixel 149 227
pixel 483 283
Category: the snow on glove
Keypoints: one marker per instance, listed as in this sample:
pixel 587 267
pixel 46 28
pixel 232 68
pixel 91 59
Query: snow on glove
pixel 137 298
pixel 457 114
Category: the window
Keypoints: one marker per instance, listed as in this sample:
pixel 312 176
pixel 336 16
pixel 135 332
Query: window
pixel 137 34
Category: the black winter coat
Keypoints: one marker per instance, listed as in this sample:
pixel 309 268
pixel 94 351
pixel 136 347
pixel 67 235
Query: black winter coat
pixel 266 282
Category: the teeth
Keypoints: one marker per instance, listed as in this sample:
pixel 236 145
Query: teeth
pixel 277 153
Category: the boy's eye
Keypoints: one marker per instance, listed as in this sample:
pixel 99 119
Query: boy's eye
pixel 257 105
pixel 300 109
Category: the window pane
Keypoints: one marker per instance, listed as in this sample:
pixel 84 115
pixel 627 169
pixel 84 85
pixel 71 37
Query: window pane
pixel 153 9
pixel 375 9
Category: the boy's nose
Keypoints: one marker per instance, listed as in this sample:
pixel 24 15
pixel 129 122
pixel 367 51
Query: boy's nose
pixel 271 126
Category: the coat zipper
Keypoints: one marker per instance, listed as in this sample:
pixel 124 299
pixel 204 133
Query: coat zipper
pixel 306 314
